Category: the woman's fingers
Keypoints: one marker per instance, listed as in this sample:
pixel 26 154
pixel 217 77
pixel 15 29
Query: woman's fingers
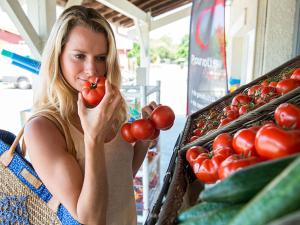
pixel 153 105
pixel 108 94
pixel 80 103
pixel 147 110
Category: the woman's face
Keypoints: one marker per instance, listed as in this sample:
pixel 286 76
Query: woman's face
pixel 84 55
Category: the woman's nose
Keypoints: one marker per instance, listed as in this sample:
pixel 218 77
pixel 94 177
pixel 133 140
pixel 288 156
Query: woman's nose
pixel 91 68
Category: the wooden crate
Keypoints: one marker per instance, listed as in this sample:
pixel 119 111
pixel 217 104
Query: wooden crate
pixel 216 107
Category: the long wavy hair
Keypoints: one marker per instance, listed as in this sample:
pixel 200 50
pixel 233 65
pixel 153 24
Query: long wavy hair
pixel 54 94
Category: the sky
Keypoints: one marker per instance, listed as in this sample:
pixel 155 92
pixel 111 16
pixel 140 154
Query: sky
pixel 172 30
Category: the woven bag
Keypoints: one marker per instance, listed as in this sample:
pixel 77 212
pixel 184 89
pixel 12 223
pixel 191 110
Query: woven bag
pixel 24 199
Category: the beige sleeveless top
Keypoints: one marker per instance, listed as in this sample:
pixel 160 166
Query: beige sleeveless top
pixel 118 157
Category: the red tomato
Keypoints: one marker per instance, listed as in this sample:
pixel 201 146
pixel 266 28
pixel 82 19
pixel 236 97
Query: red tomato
pixel 224 122
pixel 193 152
pixel 234 108
pixel 155 134
pixel 296 74
pixel 227 108
pixel 266 94
pixel 235 162
pixel 268 91
pixel 273 84
pixel 267 122
pixel 240 99
pixel 254 90
pixel 288 116
pixel 163 117
pixel 207 169
pixel 200 124
pixel 224 151
pixel 273 142
pixel 222 140
pixel 193 138
pixel 142 129
pixel 243 141
pixel 126 133
pixel 244 109
pixel 256 128
pixel 265 83
pixel 232 114
pixel 198 132
pixel 93 91
pixel 285 86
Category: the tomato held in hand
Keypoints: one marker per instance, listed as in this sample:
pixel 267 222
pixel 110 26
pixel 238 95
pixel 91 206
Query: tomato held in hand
pixel 163 117
pixel 272 142
pixel 155 134
pixel 142 129
pixel 126 133
pixel 235 162
pixel 287 116
pixel 93 91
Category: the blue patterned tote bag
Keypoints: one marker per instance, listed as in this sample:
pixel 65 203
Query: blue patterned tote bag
pixel 24 199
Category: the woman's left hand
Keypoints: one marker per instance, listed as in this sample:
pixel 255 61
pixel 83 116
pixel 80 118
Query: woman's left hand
pixel 146 112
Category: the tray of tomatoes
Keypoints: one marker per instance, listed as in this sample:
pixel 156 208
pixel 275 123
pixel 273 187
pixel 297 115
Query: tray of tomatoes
pixel 237 105
pixel 273 134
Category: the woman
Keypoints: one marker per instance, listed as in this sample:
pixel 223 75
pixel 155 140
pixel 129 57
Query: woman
pixel 77 151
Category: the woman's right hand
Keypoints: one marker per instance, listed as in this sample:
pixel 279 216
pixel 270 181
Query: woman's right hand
pixel 97 122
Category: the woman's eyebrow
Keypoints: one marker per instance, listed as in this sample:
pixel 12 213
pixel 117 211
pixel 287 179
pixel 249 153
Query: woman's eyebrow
pixel 82 51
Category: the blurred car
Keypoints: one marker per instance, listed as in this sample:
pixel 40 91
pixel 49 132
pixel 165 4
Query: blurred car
pixel 18 77
pixel 23 81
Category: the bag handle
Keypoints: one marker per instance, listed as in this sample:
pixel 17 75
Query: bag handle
pixel 8 155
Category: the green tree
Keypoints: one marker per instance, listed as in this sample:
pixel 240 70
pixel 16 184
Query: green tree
pixel 164 48
pixel 135 53
pixel 183 48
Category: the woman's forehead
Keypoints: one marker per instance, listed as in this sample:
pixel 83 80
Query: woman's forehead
pixel 85 39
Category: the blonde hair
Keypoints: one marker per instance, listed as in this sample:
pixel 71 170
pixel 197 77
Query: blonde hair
pixel 54 94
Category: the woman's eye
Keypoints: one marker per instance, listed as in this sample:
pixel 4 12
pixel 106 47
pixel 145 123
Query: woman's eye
pixel 101 58
pixel 79 56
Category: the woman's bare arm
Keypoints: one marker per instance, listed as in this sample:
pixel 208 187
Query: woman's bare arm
pixel 60 172
pixel 83 194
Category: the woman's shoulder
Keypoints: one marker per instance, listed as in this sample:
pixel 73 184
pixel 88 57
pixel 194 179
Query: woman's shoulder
pixel 40 123
pixel 40 129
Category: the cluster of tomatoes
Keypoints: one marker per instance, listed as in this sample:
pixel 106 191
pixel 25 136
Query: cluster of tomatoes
pixel 161 118
pixel 252 98
pixel 248 146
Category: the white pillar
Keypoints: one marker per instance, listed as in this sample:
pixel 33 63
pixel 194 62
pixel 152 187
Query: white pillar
pixel 42 15
pixel 144 40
